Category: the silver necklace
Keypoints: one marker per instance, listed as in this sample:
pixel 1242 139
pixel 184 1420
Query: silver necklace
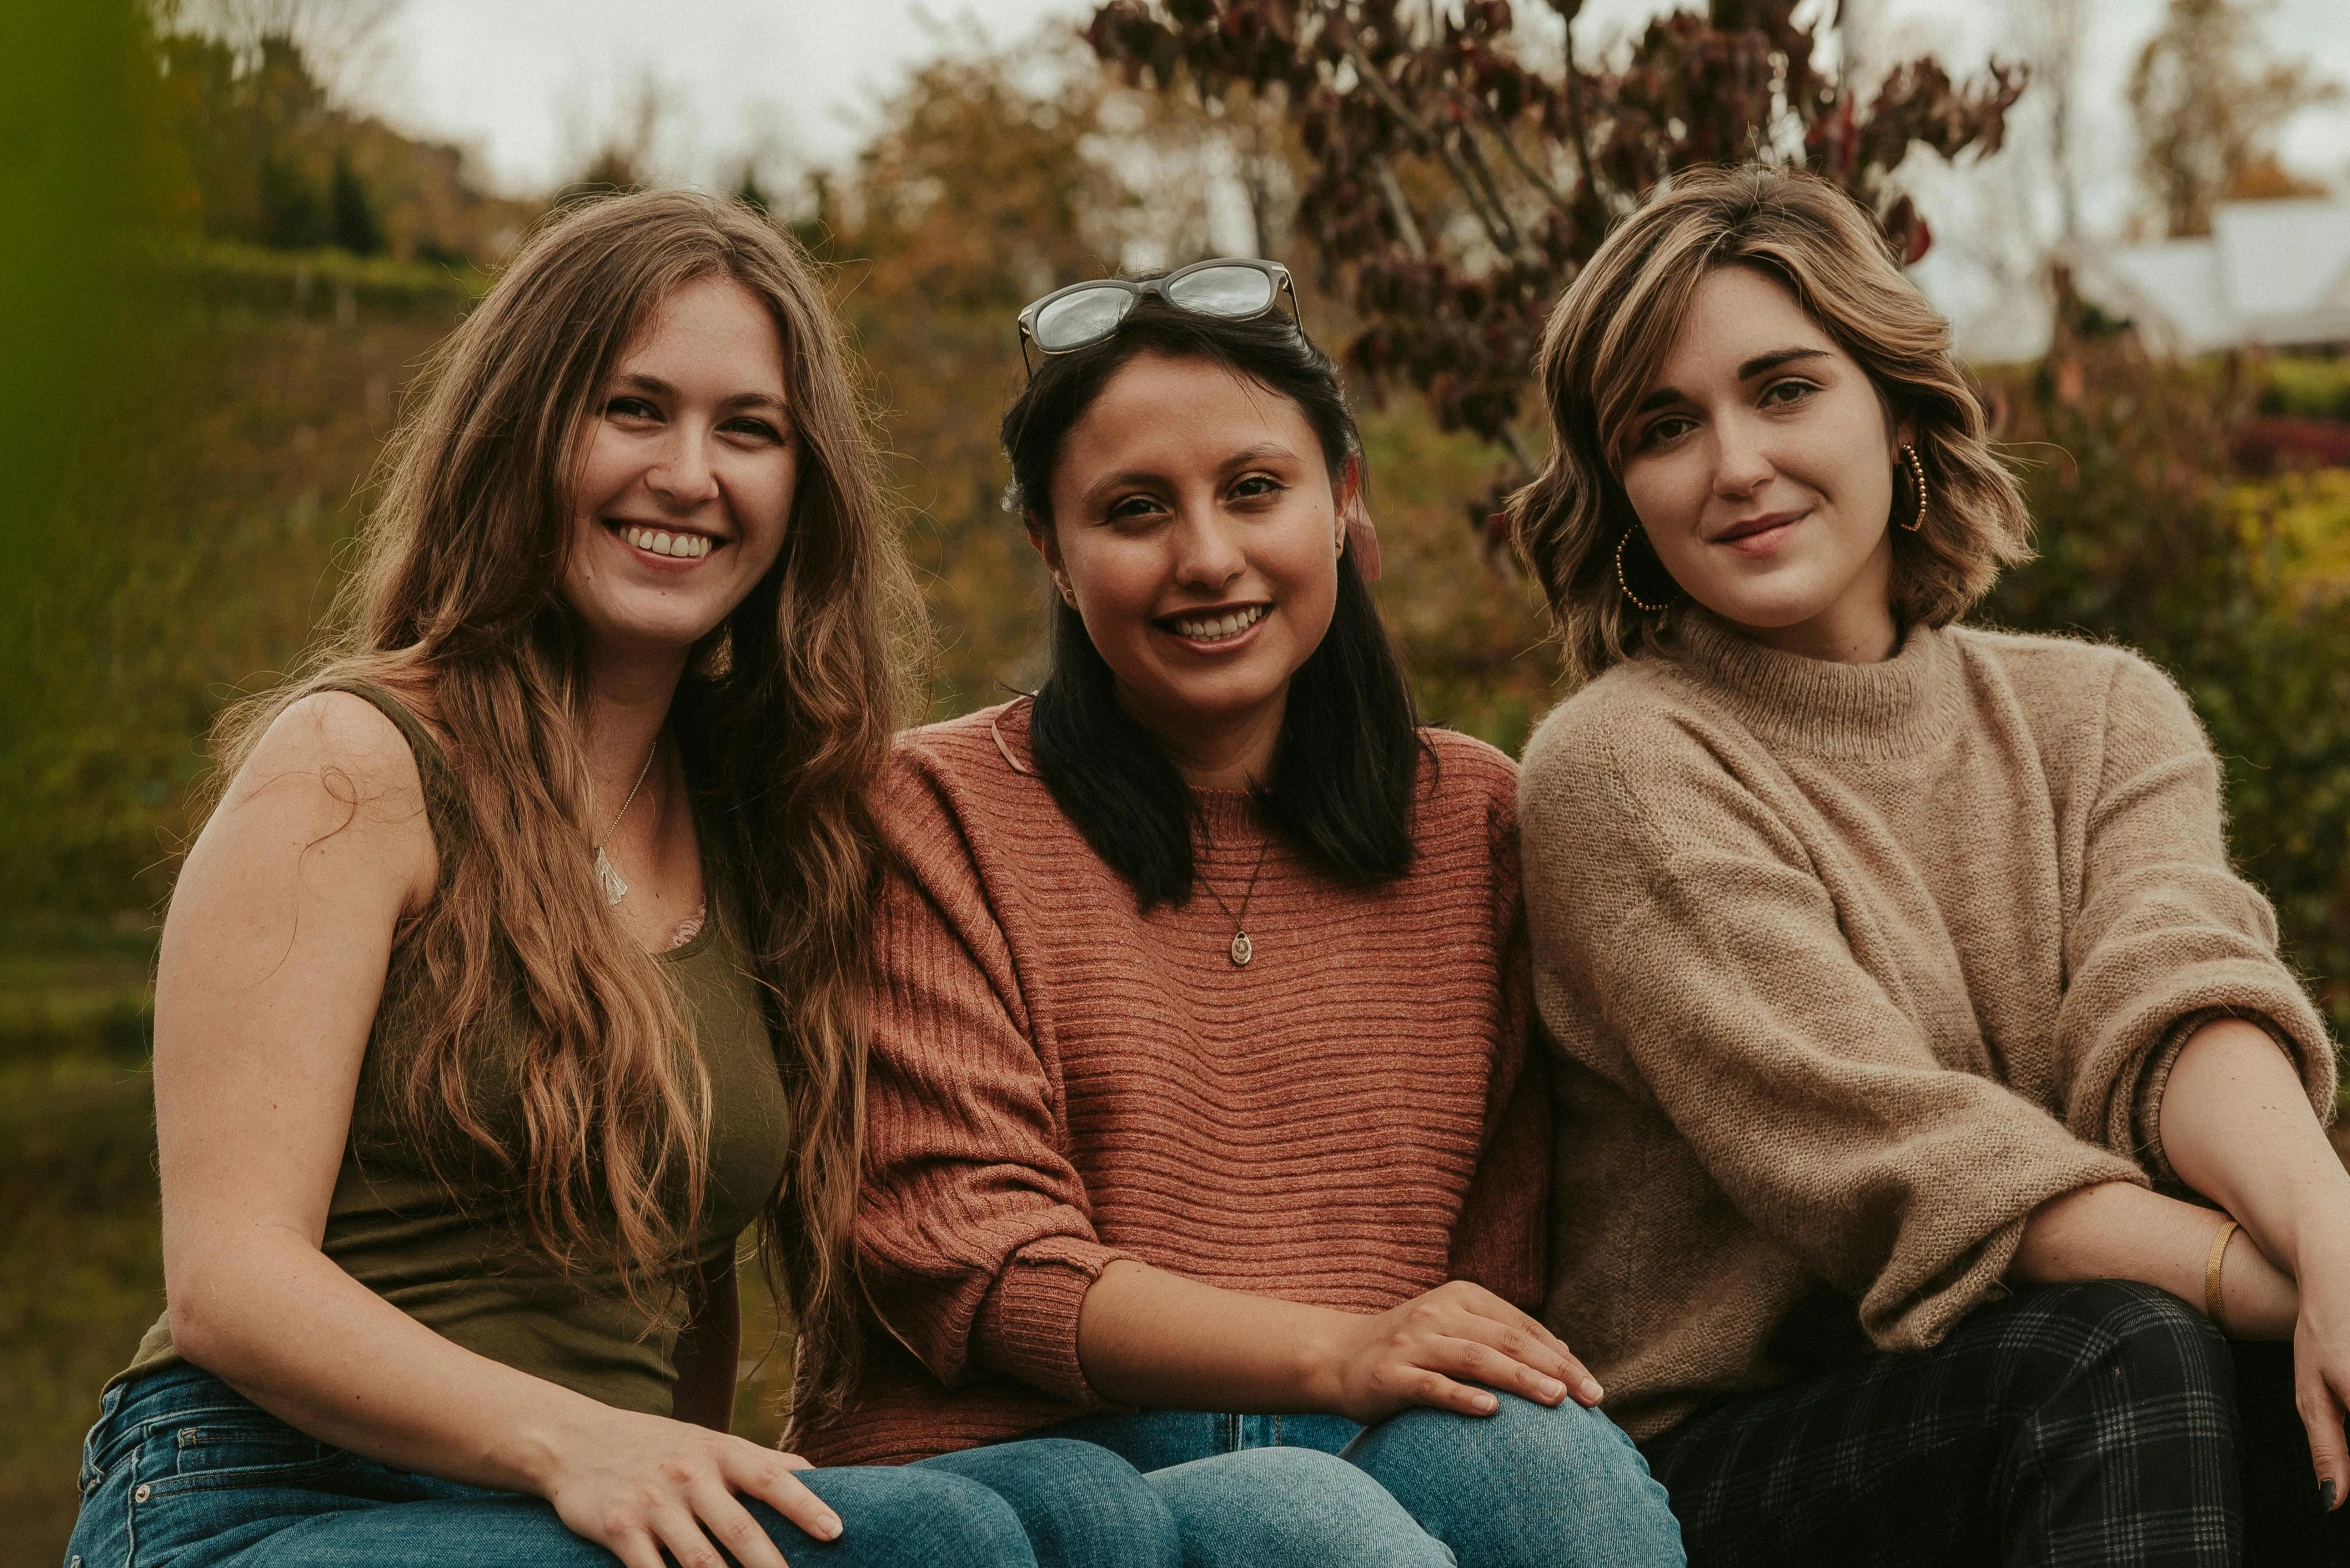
pixel 1242 949
pixel 609 875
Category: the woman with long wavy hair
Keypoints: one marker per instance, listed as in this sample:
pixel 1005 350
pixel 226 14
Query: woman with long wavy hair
pixel 519 969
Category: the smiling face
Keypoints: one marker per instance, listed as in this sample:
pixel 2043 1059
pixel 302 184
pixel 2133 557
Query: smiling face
pixel 1760 462
pixel 685 468
pixel 1196 527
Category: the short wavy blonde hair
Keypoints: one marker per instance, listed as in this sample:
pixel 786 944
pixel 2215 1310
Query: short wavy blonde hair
pixel 1613 327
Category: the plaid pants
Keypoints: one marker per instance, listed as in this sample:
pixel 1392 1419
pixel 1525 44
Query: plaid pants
pixel 2064 1427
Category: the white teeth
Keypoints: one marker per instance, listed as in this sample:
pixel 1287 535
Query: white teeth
pixel 653 542
pixel 1216 628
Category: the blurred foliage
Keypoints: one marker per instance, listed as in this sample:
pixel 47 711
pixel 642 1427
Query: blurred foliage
pixel 2311 387
pixel 1456 182
pixel 81 1276
pixel 2209 105
pixel 2145 538
pixel 251 149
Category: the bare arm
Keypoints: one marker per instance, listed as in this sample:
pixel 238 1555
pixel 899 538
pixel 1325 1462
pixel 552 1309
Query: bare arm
pixel 2237 1127
pixel 2117 1231
pixel 1148 1337
pixel 707 1349
pixel 273 961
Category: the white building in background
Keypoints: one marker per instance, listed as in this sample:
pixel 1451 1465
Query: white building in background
pixel 2270 273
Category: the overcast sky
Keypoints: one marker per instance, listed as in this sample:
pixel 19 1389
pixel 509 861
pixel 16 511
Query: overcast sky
pixel 533 84
pixel 533 87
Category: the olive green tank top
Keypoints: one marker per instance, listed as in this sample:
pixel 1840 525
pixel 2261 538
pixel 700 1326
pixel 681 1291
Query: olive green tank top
pixel 453 1254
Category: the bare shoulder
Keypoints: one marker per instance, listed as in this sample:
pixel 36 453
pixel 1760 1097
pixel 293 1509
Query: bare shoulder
pixel 333 767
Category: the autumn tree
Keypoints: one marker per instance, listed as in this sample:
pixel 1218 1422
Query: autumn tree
pixel 2208 105
pixel 1461 167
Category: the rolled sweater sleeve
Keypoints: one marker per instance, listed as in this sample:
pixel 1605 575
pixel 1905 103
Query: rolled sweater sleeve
pixel 1679 915
pixel 974 1232
pixel 2167 936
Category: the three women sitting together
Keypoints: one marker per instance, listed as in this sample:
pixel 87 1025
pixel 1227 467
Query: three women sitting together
pixel 1835 1105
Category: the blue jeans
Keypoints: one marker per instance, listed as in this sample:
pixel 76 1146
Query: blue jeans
pixel 1526 1485
pixel 180 1469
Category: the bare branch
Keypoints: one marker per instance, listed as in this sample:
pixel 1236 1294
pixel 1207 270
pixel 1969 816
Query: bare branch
pixel 1401 211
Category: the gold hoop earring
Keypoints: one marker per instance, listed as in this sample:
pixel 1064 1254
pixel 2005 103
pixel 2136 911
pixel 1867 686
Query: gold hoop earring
pixel 1917 476
pixel 1625 582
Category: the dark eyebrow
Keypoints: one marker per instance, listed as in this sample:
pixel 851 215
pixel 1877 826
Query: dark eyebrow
pixel 1145 479
pixel 1763 364
pixel 1257 454
pixel 1141 479
pixel 1760 365
pixel 654 384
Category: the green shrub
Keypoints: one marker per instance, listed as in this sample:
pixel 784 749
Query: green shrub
pixel 2144 538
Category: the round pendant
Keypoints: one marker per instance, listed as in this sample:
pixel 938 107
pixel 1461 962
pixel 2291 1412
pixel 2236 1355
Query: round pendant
pixel 1242 950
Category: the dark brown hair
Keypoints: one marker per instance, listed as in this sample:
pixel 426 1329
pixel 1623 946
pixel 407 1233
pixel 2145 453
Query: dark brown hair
pixel 1341 784
pixel 1613 328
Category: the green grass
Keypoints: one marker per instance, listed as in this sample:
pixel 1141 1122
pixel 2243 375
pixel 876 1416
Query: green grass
pixel 81 1276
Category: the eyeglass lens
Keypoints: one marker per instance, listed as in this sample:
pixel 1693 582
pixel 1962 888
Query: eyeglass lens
pixel 1079 318
pixel 1223 291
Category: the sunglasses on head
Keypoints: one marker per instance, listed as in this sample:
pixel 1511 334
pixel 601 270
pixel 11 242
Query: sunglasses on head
pixel 1083 314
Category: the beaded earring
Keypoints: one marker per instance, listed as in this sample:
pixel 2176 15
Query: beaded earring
pixel 1625 582
pixel 1917 476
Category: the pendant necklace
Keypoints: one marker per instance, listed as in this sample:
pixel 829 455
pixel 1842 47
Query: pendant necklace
pixel 1242 950
pixel 609 875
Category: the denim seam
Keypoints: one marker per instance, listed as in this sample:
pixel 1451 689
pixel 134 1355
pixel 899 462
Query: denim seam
pixel 133 1436
pixel 244 1476
pixel 130 1508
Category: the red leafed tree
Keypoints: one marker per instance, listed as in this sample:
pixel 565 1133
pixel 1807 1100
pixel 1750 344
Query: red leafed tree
pixel 1459 170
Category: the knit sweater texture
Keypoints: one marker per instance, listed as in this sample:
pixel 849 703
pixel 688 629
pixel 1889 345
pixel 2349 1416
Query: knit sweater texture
pixel 1059 1080
pixel 1849 968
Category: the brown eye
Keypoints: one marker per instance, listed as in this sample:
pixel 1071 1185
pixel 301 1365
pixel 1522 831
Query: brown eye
pixel 1664 430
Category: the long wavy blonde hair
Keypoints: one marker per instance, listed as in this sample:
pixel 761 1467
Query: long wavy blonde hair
pixel 1617 321
pixel 784 722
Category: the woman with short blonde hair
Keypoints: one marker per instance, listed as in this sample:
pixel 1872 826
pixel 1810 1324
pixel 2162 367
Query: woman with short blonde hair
pixel 1932 1098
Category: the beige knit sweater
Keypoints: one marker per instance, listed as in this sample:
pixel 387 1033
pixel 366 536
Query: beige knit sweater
pixel 1851 966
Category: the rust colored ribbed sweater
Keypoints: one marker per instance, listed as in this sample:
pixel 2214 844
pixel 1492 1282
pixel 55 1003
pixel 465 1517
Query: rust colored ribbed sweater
pixel 1059 1081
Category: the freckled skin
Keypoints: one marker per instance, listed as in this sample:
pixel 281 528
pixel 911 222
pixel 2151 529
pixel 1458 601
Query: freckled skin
pixel 1806 441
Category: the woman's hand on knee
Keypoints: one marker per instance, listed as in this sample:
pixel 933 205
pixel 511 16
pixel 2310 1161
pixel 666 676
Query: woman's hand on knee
pixel 644 1485
pixel 1448 1349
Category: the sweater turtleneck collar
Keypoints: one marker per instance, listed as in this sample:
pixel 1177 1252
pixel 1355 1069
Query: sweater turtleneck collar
pixel 1893 708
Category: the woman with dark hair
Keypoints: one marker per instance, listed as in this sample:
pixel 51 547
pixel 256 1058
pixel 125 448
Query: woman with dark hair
pixel 1201 1125
pixel 520 968
pixel 1921 1050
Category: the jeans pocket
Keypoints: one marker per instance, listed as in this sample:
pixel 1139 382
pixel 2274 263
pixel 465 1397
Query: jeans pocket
pixel 219 1449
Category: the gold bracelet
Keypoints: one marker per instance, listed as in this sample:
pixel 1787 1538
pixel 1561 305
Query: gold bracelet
pixel 2213 1307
